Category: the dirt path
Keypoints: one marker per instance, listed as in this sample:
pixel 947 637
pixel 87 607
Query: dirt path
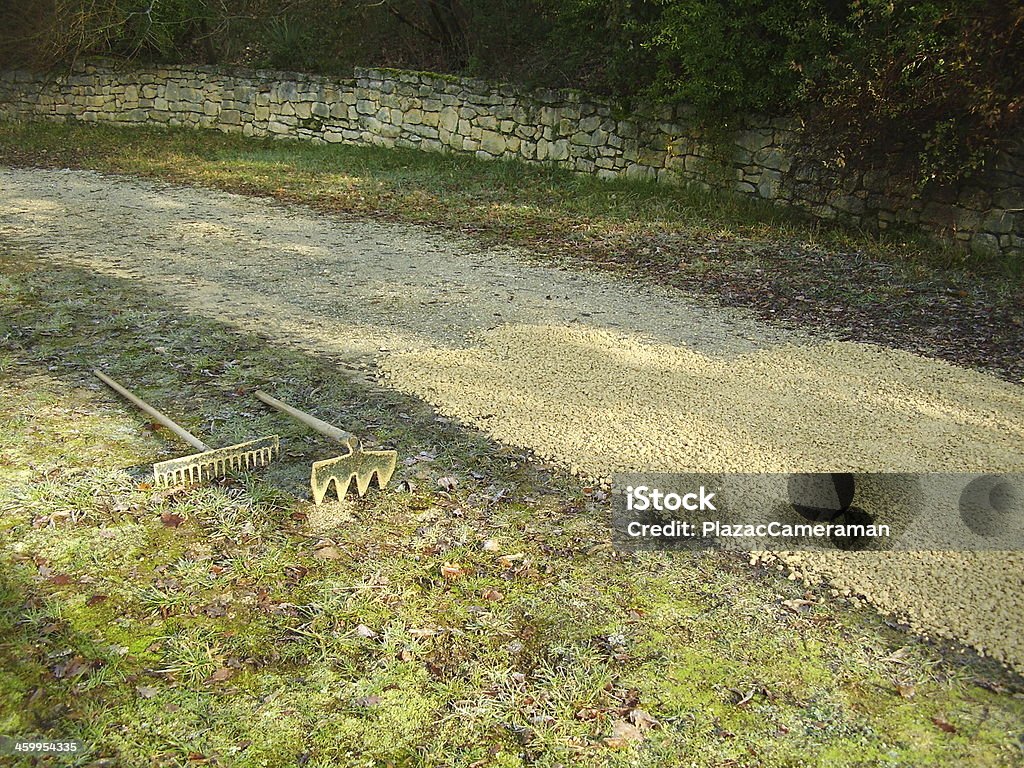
pixel 588 369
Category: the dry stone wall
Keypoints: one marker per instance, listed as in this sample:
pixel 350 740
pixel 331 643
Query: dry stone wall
pixel 764 157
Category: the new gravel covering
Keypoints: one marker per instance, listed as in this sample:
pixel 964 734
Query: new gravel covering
pixel 608 402
pixel 587 369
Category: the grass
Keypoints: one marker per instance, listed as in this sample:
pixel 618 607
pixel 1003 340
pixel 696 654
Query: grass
pixel 489 624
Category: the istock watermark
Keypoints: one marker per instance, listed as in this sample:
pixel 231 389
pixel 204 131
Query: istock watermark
pixel 829 510
pixel 641 498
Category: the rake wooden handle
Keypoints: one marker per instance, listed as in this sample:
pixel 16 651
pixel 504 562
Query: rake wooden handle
pixel 331 431
pixel 149 410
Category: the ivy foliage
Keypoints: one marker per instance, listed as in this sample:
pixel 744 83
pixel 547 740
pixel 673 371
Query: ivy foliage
pixel 943 82
pixel 721 56
pixel 926 89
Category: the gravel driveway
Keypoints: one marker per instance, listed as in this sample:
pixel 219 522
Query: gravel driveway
pixel 588 369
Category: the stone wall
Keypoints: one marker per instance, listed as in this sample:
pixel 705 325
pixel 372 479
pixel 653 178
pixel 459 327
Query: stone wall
pixel 765 157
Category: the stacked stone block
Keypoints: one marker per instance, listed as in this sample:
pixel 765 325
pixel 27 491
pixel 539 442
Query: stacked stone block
pixel 764 157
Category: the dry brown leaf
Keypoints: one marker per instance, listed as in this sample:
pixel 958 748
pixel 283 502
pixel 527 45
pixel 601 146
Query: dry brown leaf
pixel 171 520
pixel 798 606
pixel 452 570
pixel 220 675
pixel 493 594
pixel 906 691
pixel 623 733
pixel 327 553
pixel 944 725
pixel 146 691
pixel 642 719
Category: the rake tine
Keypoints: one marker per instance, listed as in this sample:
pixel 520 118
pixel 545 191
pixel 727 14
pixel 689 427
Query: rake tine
pixel 357 464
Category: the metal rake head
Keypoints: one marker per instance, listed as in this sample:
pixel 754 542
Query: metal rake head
pixel 359 465
pixel 217 463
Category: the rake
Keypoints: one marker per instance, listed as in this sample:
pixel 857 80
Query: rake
pixel 357 464
pixel 211 462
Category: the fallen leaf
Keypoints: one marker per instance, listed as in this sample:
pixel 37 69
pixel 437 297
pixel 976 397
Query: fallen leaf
pixel 944 725
pixel 367 701
pixel 220 675
pixel 493 594
pixel 95 600
pixel 146 691
pixel 642 719
pixel 490 545
pixel 327 553
pixel 906 691
pixel 171 520
pixel 364 631
pixel 60 579
pixel 452 570
pixel 623 732
pixel 447 483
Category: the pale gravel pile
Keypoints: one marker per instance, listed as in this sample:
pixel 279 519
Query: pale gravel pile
pixel 609 402
pixel 590 370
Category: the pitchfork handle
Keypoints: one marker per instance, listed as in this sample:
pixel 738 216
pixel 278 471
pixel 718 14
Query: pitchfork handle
pixel 331 431
pixel 149 410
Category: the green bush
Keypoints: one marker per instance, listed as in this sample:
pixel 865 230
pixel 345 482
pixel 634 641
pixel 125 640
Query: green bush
pixel 942 82
pixel 721 56
pixel 938 81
